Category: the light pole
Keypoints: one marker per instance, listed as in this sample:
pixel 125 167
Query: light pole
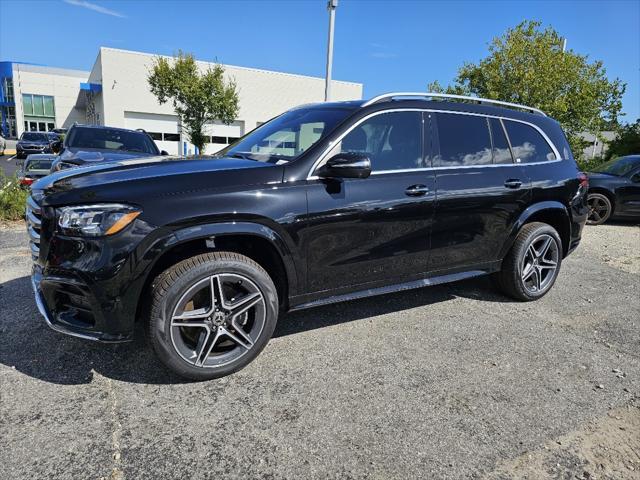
pixel 331 6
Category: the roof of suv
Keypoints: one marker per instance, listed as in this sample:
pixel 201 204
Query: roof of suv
pixel 105 127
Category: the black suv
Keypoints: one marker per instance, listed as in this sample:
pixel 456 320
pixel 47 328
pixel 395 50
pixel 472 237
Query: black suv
pixel 90 144
pixel 324 203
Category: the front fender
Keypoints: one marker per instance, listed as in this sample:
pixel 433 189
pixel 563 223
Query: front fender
pixel 196 232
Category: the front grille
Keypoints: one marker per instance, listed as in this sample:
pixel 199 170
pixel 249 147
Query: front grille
pixel 34 224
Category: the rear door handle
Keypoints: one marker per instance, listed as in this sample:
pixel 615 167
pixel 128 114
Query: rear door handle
pixel 513 183
pixel 416 190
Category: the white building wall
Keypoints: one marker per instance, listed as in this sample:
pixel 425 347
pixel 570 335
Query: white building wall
pixel 62 84
pixel 263 94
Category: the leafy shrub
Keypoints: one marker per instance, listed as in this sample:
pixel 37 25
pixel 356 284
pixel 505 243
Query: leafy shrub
pixel 12 198
pixel 590 164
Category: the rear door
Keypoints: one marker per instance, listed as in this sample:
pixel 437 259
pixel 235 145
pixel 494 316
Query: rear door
pixel 373 230
pixel 481 191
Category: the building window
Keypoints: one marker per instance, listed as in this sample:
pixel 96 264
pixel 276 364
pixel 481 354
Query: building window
pixel 38 105
pixel 218 139
pixel 232 139
pixel 50 126
pixel 171 137
pixel 155 135
pixel 7 89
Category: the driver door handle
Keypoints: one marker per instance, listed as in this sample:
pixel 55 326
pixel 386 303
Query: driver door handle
pixel 416 190
pixel 513 183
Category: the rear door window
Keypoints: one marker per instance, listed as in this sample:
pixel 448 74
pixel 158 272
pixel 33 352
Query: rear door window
pixel 501 150
pixel 527 144
pixel 464 140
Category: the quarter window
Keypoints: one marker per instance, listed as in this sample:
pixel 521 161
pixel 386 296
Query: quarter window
pixel 464 140
pixel 392 141
pixel 527 144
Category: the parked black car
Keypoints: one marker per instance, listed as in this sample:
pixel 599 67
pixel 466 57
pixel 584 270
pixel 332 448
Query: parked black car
pixel 324 203
pixel 35 166
pixel 96 144
pixel 37 142
pixel 614 190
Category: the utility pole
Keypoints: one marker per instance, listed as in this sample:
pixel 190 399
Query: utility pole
pixel 564 44
pixel 331 6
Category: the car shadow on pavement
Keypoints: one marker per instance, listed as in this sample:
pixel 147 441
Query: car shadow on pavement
pixel 30 347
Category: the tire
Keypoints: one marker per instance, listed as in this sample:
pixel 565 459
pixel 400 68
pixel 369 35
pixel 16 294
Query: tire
pixel 600 208
pixel 522 278
pixel 196 335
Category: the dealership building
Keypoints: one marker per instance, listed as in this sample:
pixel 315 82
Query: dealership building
pixel 116 93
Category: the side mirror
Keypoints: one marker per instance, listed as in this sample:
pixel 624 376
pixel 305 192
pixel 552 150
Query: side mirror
pixel 635 178
pixel 164 152
pixel 346 165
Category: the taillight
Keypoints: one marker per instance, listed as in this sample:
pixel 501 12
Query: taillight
pixel 26 181
pixel 584 180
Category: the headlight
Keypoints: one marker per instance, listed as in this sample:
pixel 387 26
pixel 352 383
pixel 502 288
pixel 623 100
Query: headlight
pixel 95 220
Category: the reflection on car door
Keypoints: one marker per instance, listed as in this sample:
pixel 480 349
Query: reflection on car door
pixel 629 195
pixel 481 191
pixel 373 230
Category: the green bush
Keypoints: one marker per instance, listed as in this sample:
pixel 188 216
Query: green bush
pixel 589 164
pixel 12 198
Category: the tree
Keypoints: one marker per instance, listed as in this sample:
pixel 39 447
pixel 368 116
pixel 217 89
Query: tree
pixel 627 142
pixel 526 65
pixel 198 97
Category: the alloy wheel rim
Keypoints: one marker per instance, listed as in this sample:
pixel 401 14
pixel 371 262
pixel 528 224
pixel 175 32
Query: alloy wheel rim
pixel 598 209
pixel 218 320
pixel 540 263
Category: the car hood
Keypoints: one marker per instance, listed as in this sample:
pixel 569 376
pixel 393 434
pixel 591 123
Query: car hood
pixel 155 176
pixel 81 156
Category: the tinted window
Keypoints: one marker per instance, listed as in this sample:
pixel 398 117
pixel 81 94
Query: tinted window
pixel 619 166
pixel 392 141
pixel 111 139
pixel 464 140
pixel 171 137
pixel 501 151
pixel 527 144
pixel 34 137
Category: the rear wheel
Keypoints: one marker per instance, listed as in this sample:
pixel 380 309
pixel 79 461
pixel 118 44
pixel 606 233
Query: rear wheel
pixel 532 265
pixel 212 314
pixel 599 208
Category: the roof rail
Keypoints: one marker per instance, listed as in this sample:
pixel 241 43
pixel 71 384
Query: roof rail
pixel 389 96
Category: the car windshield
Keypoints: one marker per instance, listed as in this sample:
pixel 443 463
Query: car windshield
pixel 288 136
pixel 34 136
pixel 619 166
pixel 111 139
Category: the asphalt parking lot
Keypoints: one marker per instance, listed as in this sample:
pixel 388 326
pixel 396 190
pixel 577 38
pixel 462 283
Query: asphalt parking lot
pixel 454 381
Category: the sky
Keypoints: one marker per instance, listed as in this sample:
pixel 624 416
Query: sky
pixel 386 45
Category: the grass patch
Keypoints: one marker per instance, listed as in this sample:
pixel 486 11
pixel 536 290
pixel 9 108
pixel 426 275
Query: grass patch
pixel 12 198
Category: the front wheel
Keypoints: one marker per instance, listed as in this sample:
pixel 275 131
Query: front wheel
pixel 212 314
pixel 532 265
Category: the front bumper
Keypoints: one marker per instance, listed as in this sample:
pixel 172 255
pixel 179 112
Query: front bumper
pixel 66 320
pixel 23 152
